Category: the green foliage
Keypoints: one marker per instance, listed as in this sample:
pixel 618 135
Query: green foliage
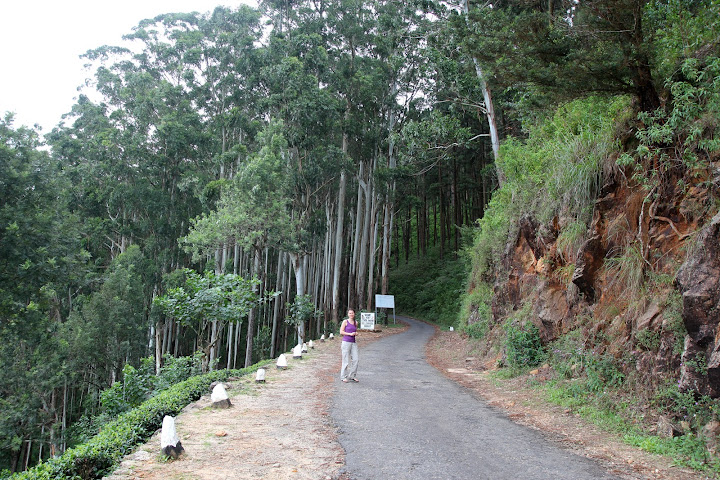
pixel 627 271
pixel 429 287
pixel 476 308
pixel 301 310
pixel 262 344
pixel 42 264
pixel 111 324
pixel 685 133
pixel 648 339
pixel 686 450
pixel 680 28
pixel 611 415
pixel 603 50
pixel 567 354
pixel 135 387
pixel 572 356
pixel 687 406
pixel 96 458
pixel 177 369
pixel 432 139
pixel 570 239
pixel 477 330
pixel 672 311
pixel 523 346
pixel 558 170
pixel 139 384
pixel 209 297
pixel 602 372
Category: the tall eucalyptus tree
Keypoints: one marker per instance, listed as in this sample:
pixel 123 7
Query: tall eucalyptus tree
pixel 254 211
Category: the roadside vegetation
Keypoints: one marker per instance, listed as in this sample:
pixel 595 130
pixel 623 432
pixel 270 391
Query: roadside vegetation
pixel 555 174
pixel 429 287
pixel 132 414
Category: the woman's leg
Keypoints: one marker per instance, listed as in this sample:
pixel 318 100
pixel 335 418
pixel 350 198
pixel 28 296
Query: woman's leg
pixel 345 351
pixel 353 360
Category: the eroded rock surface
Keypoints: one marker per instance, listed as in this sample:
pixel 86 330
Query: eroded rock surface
pixel 698 281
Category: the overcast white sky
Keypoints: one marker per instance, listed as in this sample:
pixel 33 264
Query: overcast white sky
pixel 41 41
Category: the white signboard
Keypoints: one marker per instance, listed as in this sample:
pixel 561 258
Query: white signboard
pixel 384 301
pixel 367 321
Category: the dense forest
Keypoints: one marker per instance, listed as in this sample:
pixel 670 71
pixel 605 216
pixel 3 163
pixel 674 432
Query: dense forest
pixel 238 178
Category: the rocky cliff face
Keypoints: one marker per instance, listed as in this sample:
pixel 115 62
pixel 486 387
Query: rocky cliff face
pixel 643 254
pixel 698 280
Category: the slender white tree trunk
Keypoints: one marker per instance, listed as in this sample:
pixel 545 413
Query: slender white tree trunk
pixel 358 218
pixel 158 349
pixel 213 344
pixel 487 98
pixel 388 209
pixel 63 441
pixel 326 284
pixel 364 242
pixel 372 250
pixel 298 263
pixel 338 247
pixel 236 343
pixel 389 214
pixel 178 330
pixel 230 338
pixel 253 313
pixel 276 304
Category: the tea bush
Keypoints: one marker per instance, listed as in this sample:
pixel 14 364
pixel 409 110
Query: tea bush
pixel 97 457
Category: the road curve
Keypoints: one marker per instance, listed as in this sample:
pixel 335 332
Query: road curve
pixel 405 420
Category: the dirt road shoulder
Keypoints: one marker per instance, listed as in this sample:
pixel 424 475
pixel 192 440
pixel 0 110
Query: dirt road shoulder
pixel 452 354
pixel 277 430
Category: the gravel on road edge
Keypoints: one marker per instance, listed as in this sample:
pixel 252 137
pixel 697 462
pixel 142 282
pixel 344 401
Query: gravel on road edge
pixel 452 354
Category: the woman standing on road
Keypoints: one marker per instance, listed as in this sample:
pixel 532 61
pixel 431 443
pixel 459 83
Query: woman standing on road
pixel 349 349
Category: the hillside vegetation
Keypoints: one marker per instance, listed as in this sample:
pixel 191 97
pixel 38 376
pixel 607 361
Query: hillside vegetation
pixel 597 261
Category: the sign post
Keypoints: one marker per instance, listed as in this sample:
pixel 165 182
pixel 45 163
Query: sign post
pixel 385 301
pixel 367 321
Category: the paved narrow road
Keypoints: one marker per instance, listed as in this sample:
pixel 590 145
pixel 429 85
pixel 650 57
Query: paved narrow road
pixel 405 420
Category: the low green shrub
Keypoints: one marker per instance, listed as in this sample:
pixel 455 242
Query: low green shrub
pixel 136 386
pixel 523 347
pixel 686 450
pixel 627 270
pixel 696 410
pixel 477 330
pixel 177 369
pixel 476 308
pixel 672 311
pixel 602 372
pixel 570 239
pixel 97 457
pixel 648 339
pixel 594 371
pixel 567 354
